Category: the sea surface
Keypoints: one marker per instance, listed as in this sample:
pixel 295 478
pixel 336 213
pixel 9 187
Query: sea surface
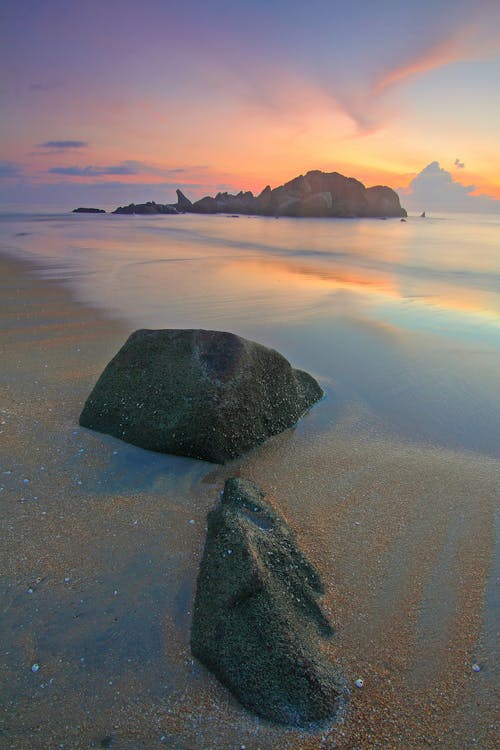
pixel 400 319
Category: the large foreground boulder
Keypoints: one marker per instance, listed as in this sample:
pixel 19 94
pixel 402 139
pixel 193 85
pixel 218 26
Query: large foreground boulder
pixel 257 624
pixel 205 394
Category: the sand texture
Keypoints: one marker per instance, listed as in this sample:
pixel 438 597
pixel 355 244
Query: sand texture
pixel 101 543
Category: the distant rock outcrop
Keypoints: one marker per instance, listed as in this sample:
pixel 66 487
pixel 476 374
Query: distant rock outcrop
pixel 206 394
pixel 146 208
pixel 83 210
pixel 183 203
pixel 257 624
pixel 315 194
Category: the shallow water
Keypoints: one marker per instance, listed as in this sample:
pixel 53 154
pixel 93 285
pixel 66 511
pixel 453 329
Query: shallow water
pixel 402 318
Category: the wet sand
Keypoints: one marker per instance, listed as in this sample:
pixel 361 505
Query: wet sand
pixel 101 544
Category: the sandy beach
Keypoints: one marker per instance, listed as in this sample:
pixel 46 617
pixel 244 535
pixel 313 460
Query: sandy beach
pixel 102 541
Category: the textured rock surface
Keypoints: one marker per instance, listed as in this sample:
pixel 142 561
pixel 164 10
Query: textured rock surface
pixel 205 394
pixel 256 622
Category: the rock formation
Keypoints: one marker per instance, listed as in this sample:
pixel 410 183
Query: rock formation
pixel 146 208
pixel 205 394
pixel 316 194
pixel 83 210
pixel 257 624
pixel 183 203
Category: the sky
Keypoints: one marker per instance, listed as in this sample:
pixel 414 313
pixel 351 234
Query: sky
pixel 112 101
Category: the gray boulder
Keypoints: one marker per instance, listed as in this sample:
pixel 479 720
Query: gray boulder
pixel 257 624
pixel 206 394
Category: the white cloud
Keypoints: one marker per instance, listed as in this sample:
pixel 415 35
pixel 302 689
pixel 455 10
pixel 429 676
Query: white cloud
pixel 434 189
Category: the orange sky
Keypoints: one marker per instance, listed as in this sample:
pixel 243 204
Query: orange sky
pixel 233 99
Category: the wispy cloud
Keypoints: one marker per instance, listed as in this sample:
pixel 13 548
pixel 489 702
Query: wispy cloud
pixel 442 53
pixel 63 145
pixel 9 169
pixel 128 167
pixel 89 171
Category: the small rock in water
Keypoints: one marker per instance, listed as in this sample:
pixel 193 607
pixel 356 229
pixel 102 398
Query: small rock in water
pixel 359 683
pixel 35 667
pixel 476 668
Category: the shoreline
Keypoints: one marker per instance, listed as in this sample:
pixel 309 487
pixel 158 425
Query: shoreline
pixel 401 534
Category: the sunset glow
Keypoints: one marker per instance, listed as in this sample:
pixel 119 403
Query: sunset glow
pixel 105 104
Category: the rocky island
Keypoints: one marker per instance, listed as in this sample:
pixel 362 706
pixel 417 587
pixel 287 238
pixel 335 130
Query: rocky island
pixel 315 194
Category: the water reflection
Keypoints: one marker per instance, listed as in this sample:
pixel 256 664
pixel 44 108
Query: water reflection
pixel 401 317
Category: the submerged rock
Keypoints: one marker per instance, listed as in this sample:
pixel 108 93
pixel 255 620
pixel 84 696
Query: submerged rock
pixel 205 394
pixel 257 624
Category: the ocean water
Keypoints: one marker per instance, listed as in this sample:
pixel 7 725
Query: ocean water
pixel 399 319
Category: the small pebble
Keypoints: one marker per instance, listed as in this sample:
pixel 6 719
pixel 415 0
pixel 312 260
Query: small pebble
pixel 35 667
pixel 30 591
pixel 476 668
pixel 359 683
pixel 230 552
pixel 191 521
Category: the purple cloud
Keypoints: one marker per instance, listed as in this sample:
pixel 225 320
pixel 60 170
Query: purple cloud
pixel 9 169
pixel 116 169
pixel 63 144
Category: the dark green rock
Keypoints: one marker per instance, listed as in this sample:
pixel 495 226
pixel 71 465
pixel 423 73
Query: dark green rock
pixel 206 394
pixel 257 624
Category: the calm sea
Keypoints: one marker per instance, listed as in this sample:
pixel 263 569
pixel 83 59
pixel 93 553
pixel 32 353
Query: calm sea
pixel 400 320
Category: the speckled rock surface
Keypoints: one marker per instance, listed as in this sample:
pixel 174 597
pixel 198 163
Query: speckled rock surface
pixel 205 394
pixel 257 624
